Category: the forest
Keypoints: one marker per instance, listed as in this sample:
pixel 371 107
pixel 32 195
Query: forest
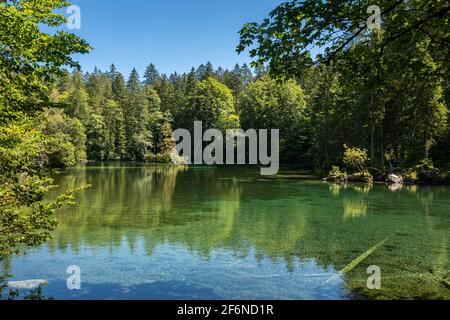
pixel 104 116
pixel 370 101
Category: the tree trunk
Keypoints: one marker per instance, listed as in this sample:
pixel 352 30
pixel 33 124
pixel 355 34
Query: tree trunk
pixel 372 134
pixel 382 148
pixel 428 141
pixel 372 145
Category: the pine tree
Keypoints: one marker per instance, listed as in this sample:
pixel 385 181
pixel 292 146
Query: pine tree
pixel 119 89
pixel 234 80
pixel 260 71
pixel 209 71
pixel 201 71
pixel 112 72
pixel 137 118
pixel 219 73
pixel 205 71
pixel 246 74
pixel 119 92
pixel 134 83
pixel 151 75
pixel 76 98
pixel 167 143
pixel 191 82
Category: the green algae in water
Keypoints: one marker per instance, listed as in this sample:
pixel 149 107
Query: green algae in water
pixel 162 232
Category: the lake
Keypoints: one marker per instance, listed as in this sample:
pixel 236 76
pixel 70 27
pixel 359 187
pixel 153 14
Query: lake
pixel 164 232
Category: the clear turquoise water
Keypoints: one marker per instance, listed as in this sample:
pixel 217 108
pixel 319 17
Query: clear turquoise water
pixel 159 232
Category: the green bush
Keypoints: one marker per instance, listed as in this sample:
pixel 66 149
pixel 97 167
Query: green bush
pixel 65 138
pixel 163 158
pixel 336 171
pixel 149 157
pixel 364 177
pixel 157 158
pixel 355 158
pixel 336 175
pixel 58 152
pixel 425 163
pixel 25 218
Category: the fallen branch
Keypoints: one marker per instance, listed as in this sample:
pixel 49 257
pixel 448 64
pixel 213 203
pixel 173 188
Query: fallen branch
pixel 364 256
pixel 352 265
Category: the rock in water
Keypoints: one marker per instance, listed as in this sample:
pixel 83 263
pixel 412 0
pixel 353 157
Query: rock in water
pixel 332 177
pixel 395 179
pixel 360 177
pixel 27 284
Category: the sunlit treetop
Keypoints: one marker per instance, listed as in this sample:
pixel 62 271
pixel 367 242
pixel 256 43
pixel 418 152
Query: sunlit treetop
pixel 30 58
pixel 295 29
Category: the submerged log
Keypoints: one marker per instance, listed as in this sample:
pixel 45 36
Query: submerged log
pixel 352 265
pixel 364 256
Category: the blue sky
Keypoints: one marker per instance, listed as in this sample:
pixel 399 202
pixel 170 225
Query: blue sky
pixel 175 35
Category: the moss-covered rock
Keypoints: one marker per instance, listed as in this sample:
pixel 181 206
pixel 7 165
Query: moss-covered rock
pixel 410 177
pixel 424 173
pixel 336 175
pixel 365 177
